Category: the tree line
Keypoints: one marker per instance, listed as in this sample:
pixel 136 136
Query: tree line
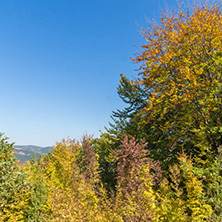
pixel 161 157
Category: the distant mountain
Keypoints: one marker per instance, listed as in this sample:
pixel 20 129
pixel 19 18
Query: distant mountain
pixel 24 152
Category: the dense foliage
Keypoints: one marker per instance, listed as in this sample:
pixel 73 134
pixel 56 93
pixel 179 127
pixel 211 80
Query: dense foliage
pixel 13 186
pixel 161 158
pixel 176 102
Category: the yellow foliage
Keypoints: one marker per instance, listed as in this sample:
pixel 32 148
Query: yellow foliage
pixel 140 203
pixel 180 72
pixel 14 212
pixel 200 211
pixel 70 196
pixel 171 205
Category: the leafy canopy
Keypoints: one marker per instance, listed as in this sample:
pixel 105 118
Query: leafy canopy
pixel 177 97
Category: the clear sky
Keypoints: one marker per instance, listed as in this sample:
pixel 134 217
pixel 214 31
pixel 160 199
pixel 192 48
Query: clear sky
pixel 60 64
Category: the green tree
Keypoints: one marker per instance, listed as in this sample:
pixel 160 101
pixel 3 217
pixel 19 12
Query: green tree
pixel 182 197
pixel 38 193
pixel 103 147
pixel 211 176
pixel 14 188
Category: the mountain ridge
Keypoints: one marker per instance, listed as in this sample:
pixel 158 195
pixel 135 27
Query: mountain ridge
pixel 24 152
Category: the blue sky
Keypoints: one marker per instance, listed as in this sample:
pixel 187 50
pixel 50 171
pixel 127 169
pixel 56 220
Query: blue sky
pixel 60 64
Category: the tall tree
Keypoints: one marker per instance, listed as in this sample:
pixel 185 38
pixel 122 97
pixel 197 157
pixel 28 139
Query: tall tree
pixel 176 101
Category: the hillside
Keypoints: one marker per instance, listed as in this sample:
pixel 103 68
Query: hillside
pixel 24 152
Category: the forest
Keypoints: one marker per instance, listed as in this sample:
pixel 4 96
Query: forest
pixel 160 159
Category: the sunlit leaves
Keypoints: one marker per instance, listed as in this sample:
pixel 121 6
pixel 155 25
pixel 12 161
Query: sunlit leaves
pixel 178 89
pixel 13 186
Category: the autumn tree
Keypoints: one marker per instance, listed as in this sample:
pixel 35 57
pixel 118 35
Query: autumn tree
pixel 38 192
pixel 176 101
pixel 71 178
pixel 14 188
pixel 135 181
pixel 211 176
pixel 88 161
pixel 181 197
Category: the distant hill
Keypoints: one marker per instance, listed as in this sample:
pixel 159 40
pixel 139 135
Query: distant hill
pixel 24 152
